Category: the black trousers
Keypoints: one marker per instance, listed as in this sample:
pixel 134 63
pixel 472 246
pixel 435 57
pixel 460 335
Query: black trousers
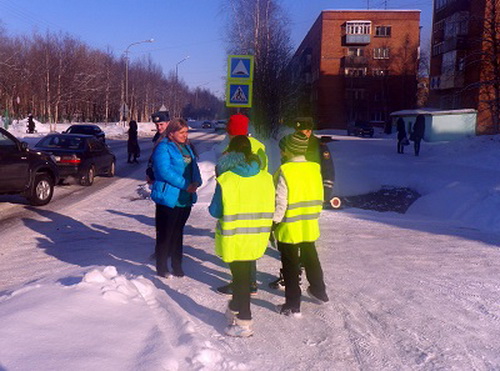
pixel 401 147
pixel 416 146
pixel 240 302
pixel 170 224
pixel 291 260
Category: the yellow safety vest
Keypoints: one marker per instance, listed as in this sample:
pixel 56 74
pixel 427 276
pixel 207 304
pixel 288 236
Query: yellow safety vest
pixel 248 207
pixel 259 149
pixel 304 204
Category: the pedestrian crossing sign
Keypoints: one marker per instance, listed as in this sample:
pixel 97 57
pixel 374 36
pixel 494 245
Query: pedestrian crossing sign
pixel 240 67
pixel 239 94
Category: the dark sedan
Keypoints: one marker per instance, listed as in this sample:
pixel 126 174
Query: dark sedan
pixel 360 129
pixel 87 129
pixel 79 156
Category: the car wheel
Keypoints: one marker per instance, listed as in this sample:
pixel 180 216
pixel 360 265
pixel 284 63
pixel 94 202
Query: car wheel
pixel 88 178
pixel 111 170
pixel 42 190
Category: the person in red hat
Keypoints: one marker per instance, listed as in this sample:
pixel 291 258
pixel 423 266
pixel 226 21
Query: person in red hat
pixel 238 125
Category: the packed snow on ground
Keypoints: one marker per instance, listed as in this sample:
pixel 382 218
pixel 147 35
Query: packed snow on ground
pixel 418 291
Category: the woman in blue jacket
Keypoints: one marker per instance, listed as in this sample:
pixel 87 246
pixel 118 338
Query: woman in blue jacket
pixel 177 177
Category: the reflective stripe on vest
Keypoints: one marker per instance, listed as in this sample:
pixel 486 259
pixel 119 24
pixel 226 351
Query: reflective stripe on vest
pixel 305 201
pixel 248 207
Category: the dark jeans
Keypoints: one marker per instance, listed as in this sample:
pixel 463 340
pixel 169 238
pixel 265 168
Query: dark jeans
pixel 241 271
pixel 417 146
pixel 291 260
pixel 401 148
pixel 170 224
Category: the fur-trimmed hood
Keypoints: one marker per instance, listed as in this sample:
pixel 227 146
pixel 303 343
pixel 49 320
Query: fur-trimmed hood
pixel 236 162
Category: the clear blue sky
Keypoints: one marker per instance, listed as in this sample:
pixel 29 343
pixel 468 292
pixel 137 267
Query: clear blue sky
pixel 179 27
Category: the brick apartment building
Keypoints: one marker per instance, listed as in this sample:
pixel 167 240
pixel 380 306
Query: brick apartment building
pixel 358 65
pixel 464 65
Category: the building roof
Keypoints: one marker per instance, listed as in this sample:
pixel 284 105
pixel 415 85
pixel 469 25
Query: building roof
pixel 432 112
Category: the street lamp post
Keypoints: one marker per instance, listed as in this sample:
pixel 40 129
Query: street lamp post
pixel 126 71
pixel 176 113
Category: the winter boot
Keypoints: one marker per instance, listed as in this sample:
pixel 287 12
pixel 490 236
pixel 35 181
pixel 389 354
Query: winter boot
pixel 288 311
pixel 241 328
pixel 318 297
pixel 230 316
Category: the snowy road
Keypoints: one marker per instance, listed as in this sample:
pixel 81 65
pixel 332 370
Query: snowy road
pixel 407 292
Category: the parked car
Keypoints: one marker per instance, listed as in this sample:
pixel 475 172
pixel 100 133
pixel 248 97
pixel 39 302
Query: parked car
pixel 220 125
pixel 25 171
pixel 360 129
pixel 206 125
pixel 80 156
pixel 87 129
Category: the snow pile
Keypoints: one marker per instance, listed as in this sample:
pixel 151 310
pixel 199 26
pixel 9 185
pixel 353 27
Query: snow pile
pixel 63 318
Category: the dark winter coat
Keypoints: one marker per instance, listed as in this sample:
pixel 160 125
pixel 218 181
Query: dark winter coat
pixel 419 127
pixel 319 153
pixel 132 142
pixel 400 126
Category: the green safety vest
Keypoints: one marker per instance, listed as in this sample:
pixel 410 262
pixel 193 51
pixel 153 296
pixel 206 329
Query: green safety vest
pixel 248 206
pixel 259 149
pixel 304 204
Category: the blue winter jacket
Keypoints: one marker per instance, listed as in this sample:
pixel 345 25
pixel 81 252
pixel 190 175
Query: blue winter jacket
pixel 170 173
pixel 235 162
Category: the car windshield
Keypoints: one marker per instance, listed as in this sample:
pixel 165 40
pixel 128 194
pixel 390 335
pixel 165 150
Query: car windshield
pixel 82 130
pixel 62 142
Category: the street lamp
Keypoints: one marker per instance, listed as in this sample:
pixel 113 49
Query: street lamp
pixel 177 84
pixel 126 71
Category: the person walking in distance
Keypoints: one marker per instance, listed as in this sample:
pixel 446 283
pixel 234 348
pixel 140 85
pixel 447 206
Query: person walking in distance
pixel 238 125
pixel 177 177
pixel 418 133
pixel 133 148
pixel 402 139
pixel 243 203
pixel 299 200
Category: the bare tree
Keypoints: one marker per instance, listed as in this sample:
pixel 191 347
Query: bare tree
pixel 259 28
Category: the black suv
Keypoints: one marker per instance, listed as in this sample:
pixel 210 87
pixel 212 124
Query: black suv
pixel 360 129
pixel 23 171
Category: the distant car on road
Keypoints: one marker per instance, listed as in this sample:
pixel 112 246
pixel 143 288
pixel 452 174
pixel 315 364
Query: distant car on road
pixel 80 156
pixel 25 171
pixel 87 129
pixel 206 124
pixel 220 125
pixel 360 129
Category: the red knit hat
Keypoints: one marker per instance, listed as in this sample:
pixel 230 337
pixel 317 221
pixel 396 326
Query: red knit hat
pixel 238 125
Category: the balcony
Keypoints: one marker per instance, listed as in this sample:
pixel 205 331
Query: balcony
pixel 357 39
pixel 355 61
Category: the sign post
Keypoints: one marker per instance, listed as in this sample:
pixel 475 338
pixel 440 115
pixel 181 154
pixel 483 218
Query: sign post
pixel 239 81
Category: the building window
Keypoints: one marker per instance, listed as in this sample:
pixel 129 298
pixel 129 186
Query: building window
pixel 381 53
pixel 378 116
pixel 355 94
pixel 383 31
pixel 437 49
pixel 355 72
pixel 378 72
pixel 358 28
pixel 355 52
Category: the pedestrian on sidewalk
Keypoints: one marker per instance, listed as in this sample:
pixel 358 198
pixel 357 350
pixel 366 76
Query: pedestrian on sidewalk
pixel 133 149
pixel 238 125
pixel 177 177
pixel 402 139
pixel 243 203
pixel 418 133
pixel 299 200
